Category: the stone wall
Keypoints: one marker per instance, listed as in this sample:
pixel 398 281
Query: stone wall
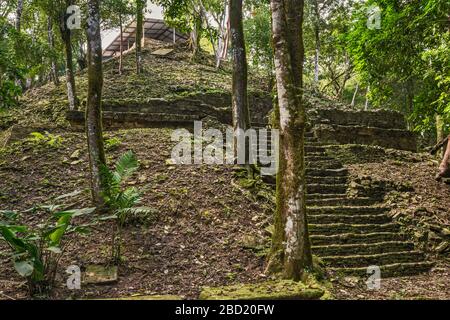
pixel 379 128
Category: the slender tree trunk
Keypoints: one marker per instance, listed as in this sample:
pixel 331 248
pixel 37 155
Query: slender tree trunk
pixel 223 36
pixel 51 43
pixel 241 114
pixel 94 100
pixel 317 40
pixel 440 134
pixel 138 40
pixel 195 33
pixel 291 249
pixel 354 95
pixel 121 45
pixel 70 74
pixel 444 170
pixel 19 14
pixel 82 60
pixel 366 105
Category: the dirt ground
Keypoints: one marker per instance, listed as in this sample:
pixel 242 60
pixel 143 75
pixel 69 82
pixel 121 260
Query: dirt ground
pixel 433 285
pixel 199 236
pixel 195 239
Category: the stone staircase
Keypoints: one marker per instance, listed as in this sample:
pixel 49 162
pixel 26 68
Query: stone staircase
pixel 351 234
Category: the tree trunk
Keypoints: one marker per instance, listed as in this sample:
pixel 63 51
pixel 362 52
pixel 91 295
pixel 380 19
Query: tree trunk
pixel 366 105
pixel 317 40
pixel 51 43
pixel 19 14
pixel 241 114
pixel 222 46
pixel 94 100
pixel 444 170
pixel 70 74
pixel 440 135
pixel 121 45
pixel 82 61
pixel 138 40
pixel 239 101
pixel 195 33
pixel 354 95
pixel 291 249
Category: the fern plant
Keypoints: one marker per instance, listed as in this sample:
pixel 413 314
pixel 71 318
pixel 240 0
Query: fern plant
pixel 120 201
pixel 37 250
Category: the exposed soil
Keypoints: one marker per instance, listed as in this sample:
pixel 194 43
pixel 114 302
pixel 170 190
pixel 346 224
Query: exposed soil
pixel 196 239
pixel 203 227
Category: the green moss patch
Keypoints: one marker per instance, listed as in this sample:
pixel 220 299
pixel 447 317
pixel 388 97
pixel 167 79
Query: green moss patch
pixel 271 290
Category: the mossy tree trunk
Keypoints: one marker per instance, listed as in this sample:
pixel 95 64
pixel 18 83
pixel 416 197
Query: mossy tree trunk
pixel 139 34
pixel 94 130
pixel 194 37
pixel 291 249
pixel 239 100
pixel 51 44
pixel 19 11
pixel 70 74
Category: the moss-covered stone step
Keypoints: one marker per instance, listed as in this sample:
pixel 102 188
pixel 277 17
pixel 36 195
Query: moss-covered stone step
pixel 343 218
pixel 146 297
pixel 314 158
pixel 337 228
pixel 135 119
pixel 353 238
pixel 326 188
pixel 344 201
pixel 322 154
pixel 312 196
pixel 362 248
pixel 326 180
pixel 378 259
pixel 323 164
pixel 347 210
pixel 313 148
pixel 327 172
pixel 269 290
pixel 389 270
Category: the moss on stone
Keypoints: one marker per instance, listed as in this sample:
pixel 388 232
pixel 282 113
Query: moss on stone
pixel 147 297
pixel 271 290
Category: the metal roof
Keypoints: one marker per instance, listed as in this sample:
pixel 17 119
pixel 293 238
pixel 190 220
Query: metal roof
pixel 153 29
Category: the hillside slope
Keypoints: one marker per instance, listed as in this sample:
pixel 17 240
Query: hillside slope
pixel 165 77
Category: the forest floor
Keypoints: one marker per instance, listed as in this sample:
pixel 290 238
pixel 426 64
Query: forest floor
pixel 194 240
pixel 200 236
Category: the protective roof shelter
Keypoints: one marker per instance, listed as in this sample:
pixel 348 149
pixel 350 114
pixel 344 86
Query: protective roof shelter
pixel 153 29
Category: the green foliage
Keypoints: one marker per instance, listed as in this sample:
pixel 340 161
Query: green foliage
pixel 122 202
pixel 11 69
pixel 115 11
pixel 258 37
pixel 112 143
pixel 406 62
pixel 37 250
pixel 48 139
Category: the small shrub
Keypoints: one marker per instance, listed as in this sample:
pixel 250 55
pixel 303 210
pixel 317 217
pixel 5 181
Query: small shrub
pixel 37 250
pixel 122 202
